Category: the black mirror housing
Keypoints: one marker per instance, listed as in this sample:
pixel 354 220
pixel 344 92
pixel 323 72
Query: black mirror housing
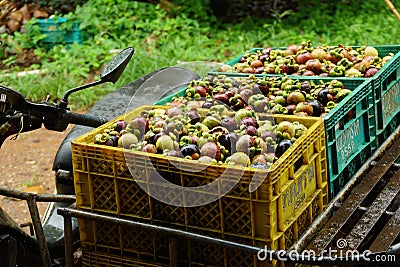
pixel 111 73
pixel 113 70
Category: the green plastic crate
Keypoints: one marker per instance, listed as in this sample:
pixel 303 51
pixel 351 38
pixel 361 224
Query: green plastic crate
pixel 385 86
pixel 351 139
pixel 351 134
pixel 55 34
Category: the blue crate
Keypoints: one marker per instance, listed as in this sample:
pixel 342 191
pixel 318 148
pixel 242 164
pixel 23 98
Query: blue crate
pixel 56 34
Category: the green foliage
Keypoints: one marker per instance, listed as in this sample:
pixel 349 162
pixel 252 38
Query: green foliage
pixel 347 22
pixel 198 10
pixel 32 37
pixel 185 31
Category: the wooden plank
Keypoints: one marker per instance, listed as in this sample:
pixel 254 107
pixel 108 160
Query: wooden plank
pixel 388 235
pixel 341 217
pixel 364 226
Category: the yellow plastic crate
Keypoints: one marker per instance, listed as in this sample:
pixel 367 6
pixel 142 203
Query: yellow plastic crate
pixel 109 244
pixel 91 258
pixel 104 183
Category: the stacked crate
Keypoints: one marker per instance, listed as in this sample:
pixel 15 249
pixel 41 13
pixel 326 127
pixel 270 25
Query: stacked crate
pixel 376 109
pixel 111 181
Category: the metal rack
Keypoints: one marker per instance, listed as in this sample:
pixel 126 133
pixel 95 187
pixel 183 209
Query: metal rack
pixel 32 199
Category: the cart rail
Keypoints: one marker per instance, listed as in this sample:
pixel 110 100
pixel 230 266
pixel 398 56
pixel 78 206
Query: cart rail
pixel 32 199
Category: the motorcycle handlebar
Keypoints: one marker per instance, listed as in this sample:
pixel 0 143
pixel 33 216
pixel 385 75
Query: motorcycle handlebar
pixel 83 119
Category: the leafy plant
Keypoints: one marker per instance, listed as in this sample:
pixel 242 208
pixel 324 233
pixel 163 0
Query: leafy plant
pixel 183 31
pixel 32 36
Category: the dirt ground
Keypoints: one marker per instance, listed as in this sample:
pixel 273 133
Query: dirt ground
pixel 26 164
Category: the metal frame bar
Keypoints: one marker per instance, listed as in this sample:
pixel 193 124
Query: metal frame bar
pixel 32 199
pixel 69 212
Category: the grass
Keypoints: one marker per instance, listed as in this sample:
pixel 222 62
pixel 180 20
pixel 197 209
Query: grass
pixel 161 39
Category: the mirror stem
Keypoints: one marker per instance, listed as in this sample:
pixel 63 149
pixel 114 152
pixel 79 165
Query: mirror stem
pixel 64 101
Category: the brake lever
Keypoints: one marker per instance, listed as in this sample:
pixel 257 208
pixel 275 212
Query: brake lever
pixel 18 115
pixel 18 123
pixel 54 117
pixel 13 100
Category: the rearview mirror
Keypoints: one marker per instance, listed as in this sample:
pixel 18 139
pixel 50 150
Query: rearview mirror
pixel 113 70
pixel 111 73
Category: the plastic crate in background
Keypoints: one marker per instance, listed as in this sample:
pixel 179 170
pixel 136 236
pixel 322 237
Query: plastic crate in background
pixel 103 183
pixel 56 34
pixel 350 129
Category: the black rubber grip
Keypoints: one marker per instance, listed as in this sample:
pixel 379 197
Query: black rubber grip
pixel 83 119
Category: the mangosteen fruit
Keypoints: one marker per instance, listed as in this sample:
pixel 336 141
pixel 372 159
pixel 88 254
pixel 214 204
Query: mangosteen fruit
pixel 119 125
pixel 228 141
pixel 149 148
pixel 324 96
pixel 193 116
pixel 127 139
pixel 244 143
pixel 295 97
pixel 317 108
pixel 304 107
pixel 140 123
pixel 165 143
pixel 190 150
pixel 239 158
pixel 286 129
pixel 229 123
pixel 282 147
pixel 249 121
pixel 211 150
pixel 251 130
pixel 173 112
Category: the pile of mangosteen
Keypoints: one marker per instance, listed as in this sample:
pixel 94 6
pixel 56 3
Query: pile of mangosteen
pixel 307 60
pixel 229 120
pixel 213 135
pixel 272 95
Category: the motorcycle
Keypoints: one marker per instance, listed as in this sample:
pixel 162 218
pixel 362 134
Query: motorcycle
pixel 50 241
pixel 18 115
